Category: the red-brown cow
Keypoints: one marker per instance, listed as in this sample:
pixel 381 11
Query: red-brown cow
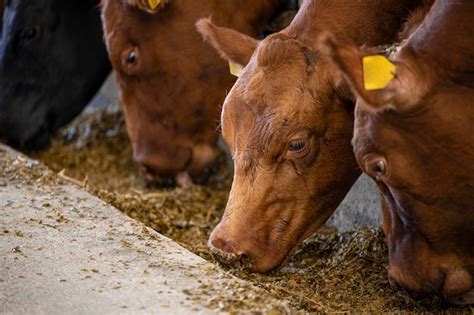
pixel 288 122
pixel 415 137
pixel 171 84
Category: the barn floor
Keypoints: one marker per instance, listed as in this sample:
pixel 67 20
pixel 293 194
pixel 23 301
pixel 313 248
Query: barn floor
pixel 331 272
pixel 65 251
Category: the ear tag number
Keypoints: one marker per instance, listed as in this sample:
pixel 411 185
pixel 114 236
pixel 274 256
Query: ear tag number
pixel 235 69
pixel 378 72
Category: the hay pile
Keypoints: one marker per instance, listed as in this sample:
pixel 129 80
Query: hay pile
pixel 329 272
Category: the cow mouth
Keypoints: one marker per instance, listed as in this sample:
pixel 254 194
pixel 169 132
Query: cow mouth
pixel 186 177
pixel 181 179
pixel 245 262
pixel 230 260
pixel 462 299
pixel 39 140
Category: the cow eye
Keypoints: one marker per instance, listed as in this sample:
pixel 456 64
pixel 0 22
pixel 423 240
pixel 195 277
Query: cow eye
pixel 297 148
pixel 297 145
pixel 130 60
pixel 29 33
pixel 379 167
pixel 132 57
pixel 376 166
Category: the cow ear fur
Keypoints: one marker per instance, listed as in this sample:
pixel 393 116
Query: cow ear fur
pixel 403 92
pixel 231 45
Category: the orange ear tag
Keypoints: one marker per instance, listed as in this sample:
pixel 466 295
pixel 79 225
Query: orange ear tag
pixel 153 4
pixel 235 69
pixel 378 72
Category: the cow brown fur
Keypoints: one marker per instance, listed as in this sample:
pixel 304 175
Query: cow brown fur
pixel 288 121
pixel 416 139
pixel 171 84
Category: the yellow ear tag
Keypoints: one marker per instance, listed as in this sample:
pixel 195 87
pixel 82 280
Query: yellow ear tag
pixel 378 72
pixel 154 4
pixel 235 69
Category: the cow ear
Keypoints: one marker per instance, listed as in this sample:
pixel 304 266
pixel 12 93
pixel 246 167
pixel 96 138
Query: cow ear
pixel 379 82
pixel 231 45
pixel 150 6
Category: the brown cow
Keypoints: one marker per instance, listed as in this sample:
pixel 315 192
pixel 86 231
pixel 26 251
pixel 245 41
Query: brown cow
pixel 171 84
pixel 415 137
pixel 288 123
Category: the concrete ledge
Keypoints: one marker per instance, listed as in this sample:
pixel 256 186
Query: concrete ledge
pixel 65 251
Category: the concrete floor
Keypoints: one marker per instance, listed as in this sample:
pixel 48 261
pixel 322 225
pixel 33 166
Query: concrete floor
pixel 65 251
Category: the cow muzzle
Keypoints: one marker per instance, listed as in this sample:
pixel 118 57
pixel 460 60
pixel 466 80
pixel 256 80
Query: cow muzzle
pixel 167 169
pixel 455 285
pixel 247 250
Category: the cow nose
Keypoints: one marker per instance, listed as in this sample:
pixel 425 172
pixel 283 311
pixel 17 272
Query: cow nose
pixel 452 283
pixel 227 252
pixel 457 282
pixel 223 245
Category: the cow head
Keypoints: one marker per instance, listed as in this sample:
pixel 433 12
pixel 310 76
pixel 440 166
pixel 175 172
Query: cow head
pixel 52 62
pixel 289 133
pixel 415 139
pixel 171 84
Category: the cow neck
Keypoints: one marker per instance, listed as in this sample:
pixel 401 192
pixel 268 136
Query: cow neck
pixel 368 22
pixel 247 16
pixel 446 38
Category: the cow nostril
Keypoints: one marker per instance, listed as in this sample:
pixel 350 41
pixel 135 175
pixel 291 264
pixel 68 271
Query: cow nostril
pixel 226 253
pixel 221 244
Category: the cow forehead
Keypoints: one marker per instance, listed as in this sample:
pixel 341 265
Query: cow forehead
pixel 250 130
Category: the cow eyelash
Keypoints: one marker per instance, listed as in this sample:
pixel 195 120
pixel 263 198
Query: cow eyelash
pixel 297 145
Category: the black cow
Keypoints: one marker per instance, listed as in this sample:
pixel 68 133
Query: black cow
pixel 1 14
pixel 52 62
